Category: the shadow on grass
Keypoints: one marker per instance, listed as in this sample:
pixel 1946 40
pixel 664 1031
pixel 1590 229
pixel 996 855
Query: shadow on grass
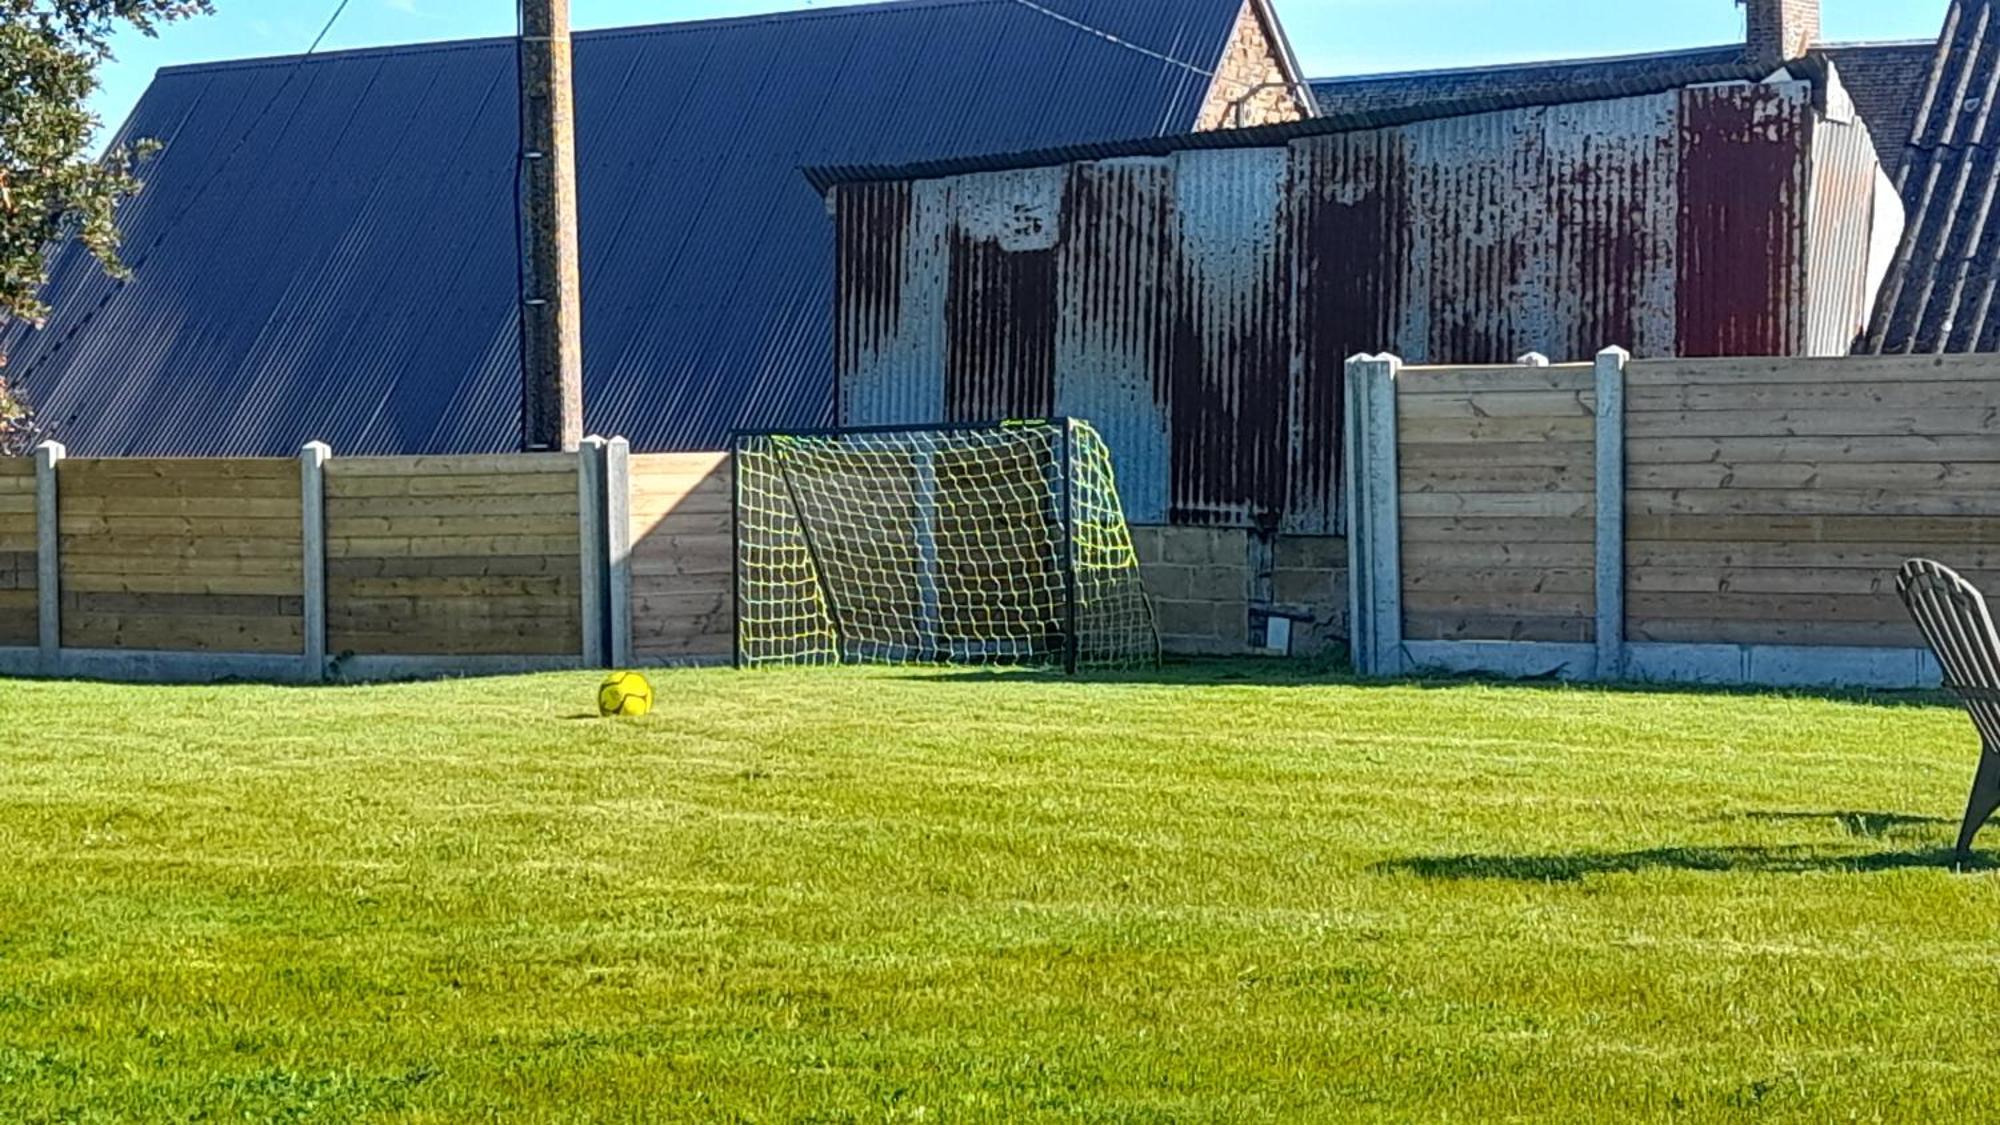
pixel 1335 672
pixel 1783 860
pixel 1866 825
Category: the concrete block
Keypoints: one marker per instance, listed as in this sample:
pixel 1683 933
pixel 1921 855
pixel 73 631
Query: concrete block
pixel 1311 552
pixel 1217 583
pixel 1167 582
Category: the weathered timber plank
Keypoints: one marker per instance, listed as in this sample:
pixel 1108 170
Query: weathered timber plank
pixel 454 465
pixel 1471 627
pixel 1855 397
pixel 1838 476
pixel 115 545
pixel 177 633
pixel 1845 581
pixel 1898 634
pixel 651 509
pixel 434 638
pixel 1556 505
pixel 495 487
pixel 1499 581
pixel 551 588
pixel 1499 404
pixel 76 480
pixel 1468 456
pixel 1423 380
pixel 456 545
pixel 1774 424
pixel 82 562
pixel 347 606
pixel 1496 603
pixel 1418 477
pixel 84 582
pixel 685 524
pixel 173 604
pixel 715 646
pixel 1644 373
pixel 1877 503
pixel 185 527
pixel 1464 554
pixel 391 507
pixel 213 507
pixel 1709 556
pixel 1812 529
pixel 1895 449
pixel 1417 529
pixel 490 524
pixel 1881 608
pixel 1448 431
pixel 670 560
pixel 450 566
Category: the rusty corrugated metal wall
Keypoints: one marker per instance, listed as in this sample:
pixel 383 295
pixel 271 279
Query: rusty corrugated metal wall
pixel 1198 307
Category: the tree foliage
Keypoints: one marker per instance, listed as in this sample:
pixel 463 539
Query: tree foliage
pixel 51 187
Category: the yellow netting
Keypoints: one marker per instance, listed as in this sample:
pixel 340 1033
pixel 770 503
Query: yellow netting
pixel 948 546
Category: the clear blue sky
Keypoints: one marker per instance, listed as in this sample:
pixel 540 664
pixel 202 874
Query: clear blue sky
pixel 1330 36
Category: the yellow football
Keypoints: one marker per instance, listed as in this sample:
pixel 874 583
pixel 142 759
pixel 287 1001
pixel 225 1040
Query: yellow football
pixel 624 694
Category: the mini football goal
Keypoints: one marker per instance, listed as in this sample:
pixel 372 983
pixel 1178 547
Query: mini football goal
pixel 991 544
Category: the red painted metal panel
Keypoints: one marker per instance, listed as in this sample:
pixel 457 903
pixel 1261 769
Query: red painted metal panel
pixel 1744 167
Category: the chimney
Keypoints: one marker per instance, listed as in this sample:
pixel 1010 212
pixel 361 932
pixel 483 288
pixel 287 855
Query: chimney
pixel 1780 30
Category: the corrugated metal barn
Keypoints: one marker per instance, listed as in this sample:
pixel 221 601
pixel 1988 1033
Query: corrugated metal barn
pixel 325 248
pixel 1195 297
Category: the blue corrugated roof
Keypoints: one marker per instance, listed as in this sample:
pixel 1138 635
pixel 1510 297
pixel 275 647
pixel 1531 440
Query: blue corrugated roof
pixel 325 247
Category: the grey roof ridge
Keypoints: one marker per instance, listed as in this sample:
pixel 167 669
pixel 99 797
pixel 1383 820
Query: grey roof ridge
pixel 672 27
pixel 1590 60
pixel 825 177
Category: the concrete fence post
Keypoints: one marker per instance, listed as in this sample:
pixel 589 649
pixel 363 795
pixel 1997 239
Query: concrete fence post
pixel 312 509
pixel 48 557
pixel 1611 363
pixel 592 548
pixel 1375 572
pixel 618 542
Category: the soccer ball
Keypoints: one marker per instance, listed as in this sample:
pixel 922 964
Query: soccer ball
pixel 625 694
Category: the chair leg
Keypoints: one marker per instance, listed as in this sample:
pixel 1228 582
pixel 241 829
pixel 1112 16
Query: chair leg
pixel 1985 799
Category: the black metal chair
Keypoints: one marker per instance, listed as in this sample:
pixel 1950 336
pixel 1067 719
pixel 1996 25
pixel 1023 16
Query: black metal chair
pixel 1953 616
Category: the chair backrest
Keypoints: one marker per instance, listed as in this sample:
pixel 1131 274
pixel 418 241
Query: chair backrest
pixel 1953 616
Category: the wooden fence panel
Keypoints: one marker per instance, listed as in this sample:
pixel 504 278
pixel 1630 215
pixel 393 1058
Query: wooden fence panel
pixel 1498 482
pixel 453 556
pixel 181 555
pixel 18 615
pixel 1770 501
pixel 682 592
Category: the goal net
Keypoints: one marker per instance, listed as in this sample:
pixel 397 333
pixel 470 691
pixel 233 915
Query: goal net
pixel 1001 544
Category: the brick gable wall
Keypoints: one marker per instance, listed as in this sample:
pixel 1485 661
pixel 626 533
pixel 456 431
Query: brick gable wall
pixel 1249 62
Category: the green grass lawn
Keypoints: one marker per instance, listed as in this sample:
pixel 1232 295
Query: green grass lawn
pixel 882 895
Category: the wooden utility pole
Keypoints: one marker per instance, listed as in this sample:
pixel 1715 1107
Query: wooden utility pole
pixel 551 295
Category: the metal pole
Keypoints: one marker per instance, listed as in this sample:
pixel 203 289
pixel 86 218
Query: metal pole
pixel 551 293
pixel 1071 643
pixel 736 595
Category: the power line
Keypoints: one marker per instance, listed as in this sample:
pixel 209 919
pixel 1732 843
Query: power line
pixel 1110 38
pixel 218 167
pixel 330 21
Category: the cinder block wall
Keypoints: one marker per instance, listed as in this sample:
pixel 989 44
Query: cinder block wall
pixel 1207 585
pixel 1309 575
pixel 1199 579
